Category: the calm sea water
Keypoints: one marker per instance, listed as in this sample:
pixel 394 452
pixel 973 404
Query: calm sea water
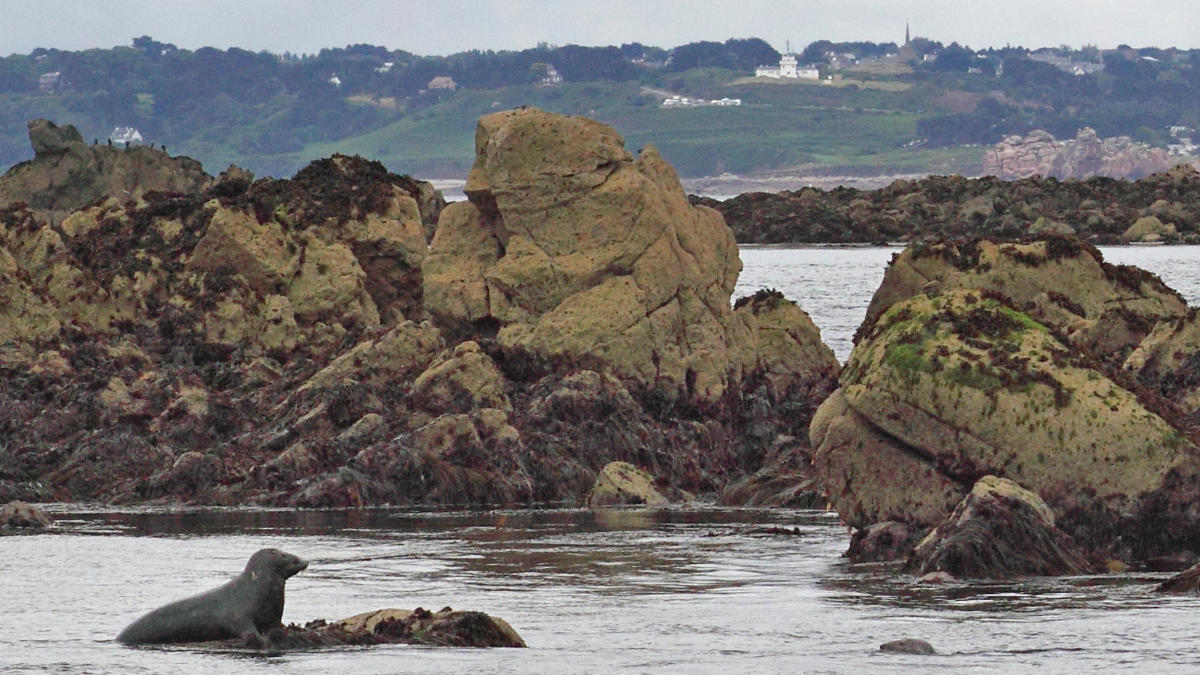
pixel 681 591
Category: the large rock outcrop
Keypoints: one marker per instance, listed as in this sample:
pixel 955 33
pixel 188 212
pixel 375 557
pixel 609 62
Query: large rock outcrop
pixel 291 342
pixel 570 247
pixel 66 173
pixel 972 361
pixel 1038 153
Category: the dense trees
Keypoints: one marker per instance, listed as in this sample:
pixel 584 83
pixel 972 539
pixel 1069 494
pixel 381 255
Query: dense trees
pixel 276 104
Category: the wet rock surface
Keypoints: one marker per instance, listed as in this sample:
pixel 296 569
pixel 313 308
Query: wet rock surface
pixel 444 628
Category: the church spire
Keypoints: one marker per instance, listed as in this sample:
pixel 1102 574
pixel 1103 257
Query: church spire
pixel 907 39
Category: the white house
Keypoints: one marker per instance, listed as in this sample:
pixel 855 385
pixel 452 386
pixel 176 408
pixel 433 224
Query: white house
pixel 125 136
pixel 552 76
pixel 787 68
pixel 49 81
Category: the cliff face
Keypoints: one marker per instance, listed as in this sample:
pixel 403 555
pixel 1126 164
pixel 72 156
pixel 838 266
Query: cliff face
pixel 1038 153
pixel 296 342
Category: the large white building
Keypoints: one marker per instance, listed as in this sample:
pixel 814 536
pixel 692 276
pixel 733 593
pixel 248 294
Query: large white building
pixel 788 67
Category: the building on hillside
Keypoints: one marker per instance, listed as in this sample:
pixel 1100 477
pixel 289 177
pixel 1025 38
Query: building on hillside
pixel 552 77
pixel 788 68
pixel 386 67
pixel 1065 63
pixel 334 80
pixel 49 81
pixel 442 82
pixel 126 136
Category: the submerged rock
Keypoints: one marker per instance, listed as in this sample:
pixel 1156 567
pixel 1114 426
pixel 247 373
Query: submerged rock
pixel 1000 530
pixel 445 628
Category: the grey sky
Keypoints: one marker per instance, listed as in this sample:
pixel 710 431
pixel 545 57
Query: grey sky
pixel 447 26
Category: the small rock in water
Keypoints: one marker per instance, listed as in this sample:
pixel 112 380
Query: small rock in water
pixel 907 646
pixel 19 514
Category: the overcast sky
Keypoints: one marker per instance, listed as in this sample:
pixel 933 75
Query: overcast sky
pixel 448 26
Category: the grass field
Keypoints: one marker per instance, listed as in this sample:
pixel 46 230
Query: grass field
pixel 811 128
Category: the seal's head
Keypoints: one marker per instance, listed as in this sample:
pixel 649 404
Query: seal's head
pixel 276 562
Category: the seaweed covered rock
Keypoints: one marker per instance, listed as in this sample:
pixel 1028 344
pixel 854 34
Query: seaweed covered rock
pixel 1000 530
pixel 1099 209
pixel 1060 282
pixel 289 342
pixel 444 628
pixel 944 389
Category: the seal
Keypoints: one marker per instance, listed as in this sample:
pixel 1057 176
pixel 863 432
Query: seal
pixel 248 607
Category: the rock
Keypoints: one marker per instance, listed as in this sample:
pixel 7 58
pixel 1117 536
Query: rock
pixel 66 173
pixel 445 628
pixel 786 480
pixel 1060 282
pixel 940 391
pixel 1085 155
pixel 908 646
pixel 571 248
pixel 291 343
pixel 466 379
pixel 1000 530
pixel 938 577
pixel 1186 582
pixel 18 514
pixel 1097 209
pixel 621 484
pixel 1149 229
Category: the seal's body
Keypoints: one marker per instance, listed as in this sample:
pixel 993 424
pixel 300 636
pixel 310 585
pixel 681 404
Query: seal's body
pixel 247 607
